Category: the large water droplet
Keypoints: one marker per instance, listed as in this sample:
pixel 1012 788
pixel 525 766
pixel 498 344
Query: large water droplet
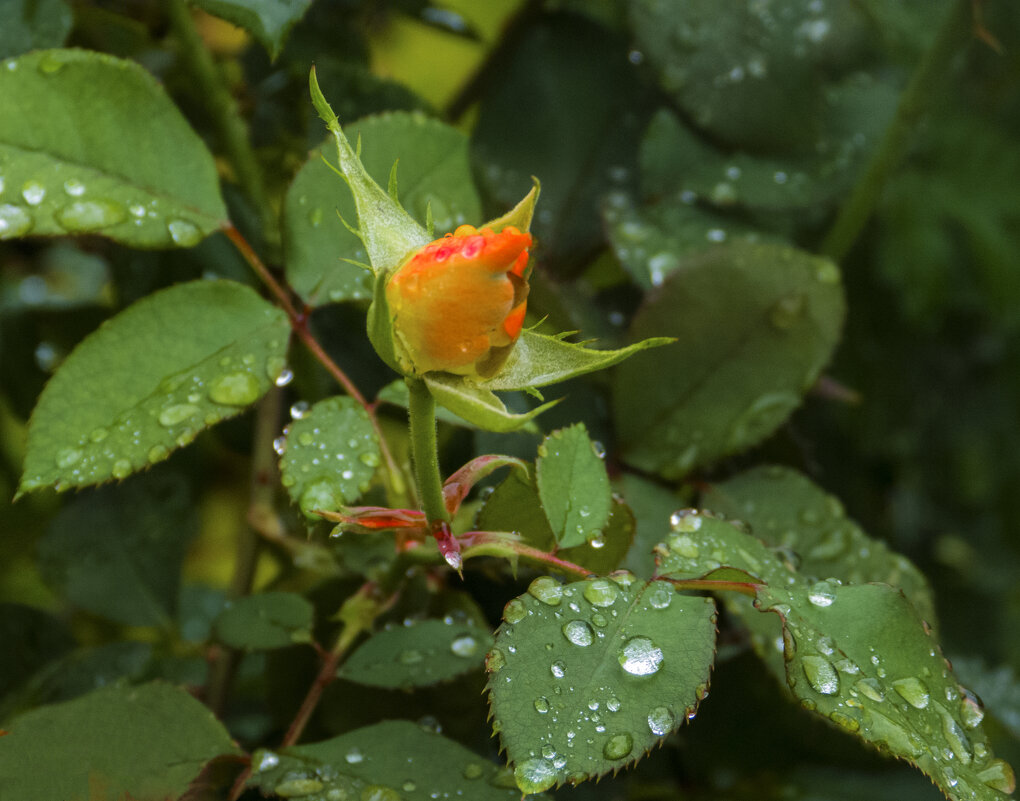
pixel 157 453
pixel 547 590
pixel 639 656
pixel 579 633
pixel 870 688
pixel 297 787
pixel 542 705
pixel 884 730
pixel 184 233
pixel 558 669
pixel 121 468
pixel 601 592
pixel 618 746
pixel 821 675
pixel 686 520
pixel 913 691
pixel 465 646
pixel 661 720
pixel 174 415
pixel 955 736
pixel 14 221
pixel 74 187
pixel 971 710
pixel 660 594
pixel 495 660
pixel 999 776
pixel 535 775
pixel 90 215
pixel 33 192
pixel 514 611
pixel 822 594
pixel 369 459
pixel 234 389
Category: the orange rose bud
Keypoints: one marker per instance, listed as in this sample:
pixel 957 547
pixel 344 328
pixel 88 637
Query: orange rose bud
pixel 458 304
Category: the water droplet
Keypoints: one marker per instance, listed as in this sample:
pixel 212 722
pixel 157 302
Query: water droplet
pixel 280 445
pixel 913 691
pixel 174 415
pixel 305 438
pixel 235 389
pixel 845 720
pixel 558 669
pixel 494 661
pixel 535 775
pixel 321 494
pixel 121 468
pixel 542 705
pixel 68 457
pixel 639 656
pixel 597 541
pixel 90 215
pixel 688 520
pixel 74 187
pixel 465 646
pixel 660 594
pixel 884 730
pixel 684 546
pixel 50 63
pixel 264 760
pixel 618 746
pixel 786 311
pixel 822 594
pixel 379 792
pixel 661 720
pixel 999 776
pixel 955 736
pixel 184 233
pixel 870 688
pixel 547 590
pixel 514 611
pixel 157 453
pixel 33 192
pixel 369 458
pixel 280 373
pixel 821 675
pixel 579 633
pixel 473 771
pixel 601 592
pixel 14 221
pixel 300 410
pixel 971 710
pixel 613 704
pixel 297 787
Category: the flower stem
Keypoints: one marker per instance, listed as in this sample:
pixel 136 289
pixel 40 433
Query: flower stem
pixel 925 84
pixel 422 414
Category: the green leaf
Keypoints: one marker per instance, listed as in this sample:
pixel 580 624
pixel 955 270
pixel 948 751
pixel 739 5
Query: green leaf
pixel 573 486
pixel 390 760
pixel 148 380
pixel 587 677
pixel 33 25
pixel 92 144
pixel 388 232
pixel 269 21
pixel 265 621
pixel 514 506
pixel 145 742
pixel 652 504
pixel 118 551
pixel 785 509
pixel 538 360
pixel 332 453
pixel 432 170
pixel 758 324
pixel 856 654
pixel 32 638
pixel 416 655
pixel 396 393
pixel 478 405
pixel 604 552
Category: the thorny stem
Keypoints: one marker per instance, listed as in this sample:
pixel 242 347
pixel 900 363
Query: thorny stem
pixel 299 324
pixel 261 493
pixel 222 107
pixel 925 84
pixel 422 414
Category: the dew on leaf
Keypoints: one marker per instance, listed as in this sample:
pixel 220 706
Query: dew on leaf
pixel 321 494
pixel 297 787
pixel 68 457
pixel 999 776
pixel 354 756
pixel 494 660
pixel 786 311
pixel 465 646
pixel 579 633
pixel 299 410
pixel 184 233
pixel 661 720
pixel 883 730
pixel 514 611
pixel 688 520
pixel 870 688
pixel 157 453
pixel 955 736
pixel 14 221
pixel 683 545
pixel 379 792
pixel 971 711
pixel 601 592
pixel 541 705
pixel 305 438
pixel 844 720
pixel 264 760
pixel 369 459
pixel 33 192
pixel 558 669
pixel 472 771
pixel 660 594
pixel 639 656
pixel 821 675
pixel 547 590
pixel 913 691
pixel 121 468
pixel 176 414
pixel 90 215
pixel 822 594
pixel 535 775
pixel 234 389
pixel 74 187
pixel 618 746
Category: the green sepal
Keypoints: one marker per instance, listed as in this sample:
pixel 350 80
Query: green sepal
pixel 538 360
pixel 519 216
pixel 390 234
pixel 477 404
pixel 380 325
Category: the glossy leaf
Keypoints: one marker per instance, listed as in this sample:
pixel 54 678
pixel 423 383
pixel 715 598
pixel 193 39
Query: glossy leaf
pixel 587 677
pixel 785 509
pixel 265 621
pixel 148 380
pixel 269 21
pixel 432 170
pixel 33 25
pixel 573 486
pixel 422 653
pixel 117 551
pixel 758 324
pixel 395 759
pixel 110 177
pixel 857 654
pixel 331 455
pixel 147 743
